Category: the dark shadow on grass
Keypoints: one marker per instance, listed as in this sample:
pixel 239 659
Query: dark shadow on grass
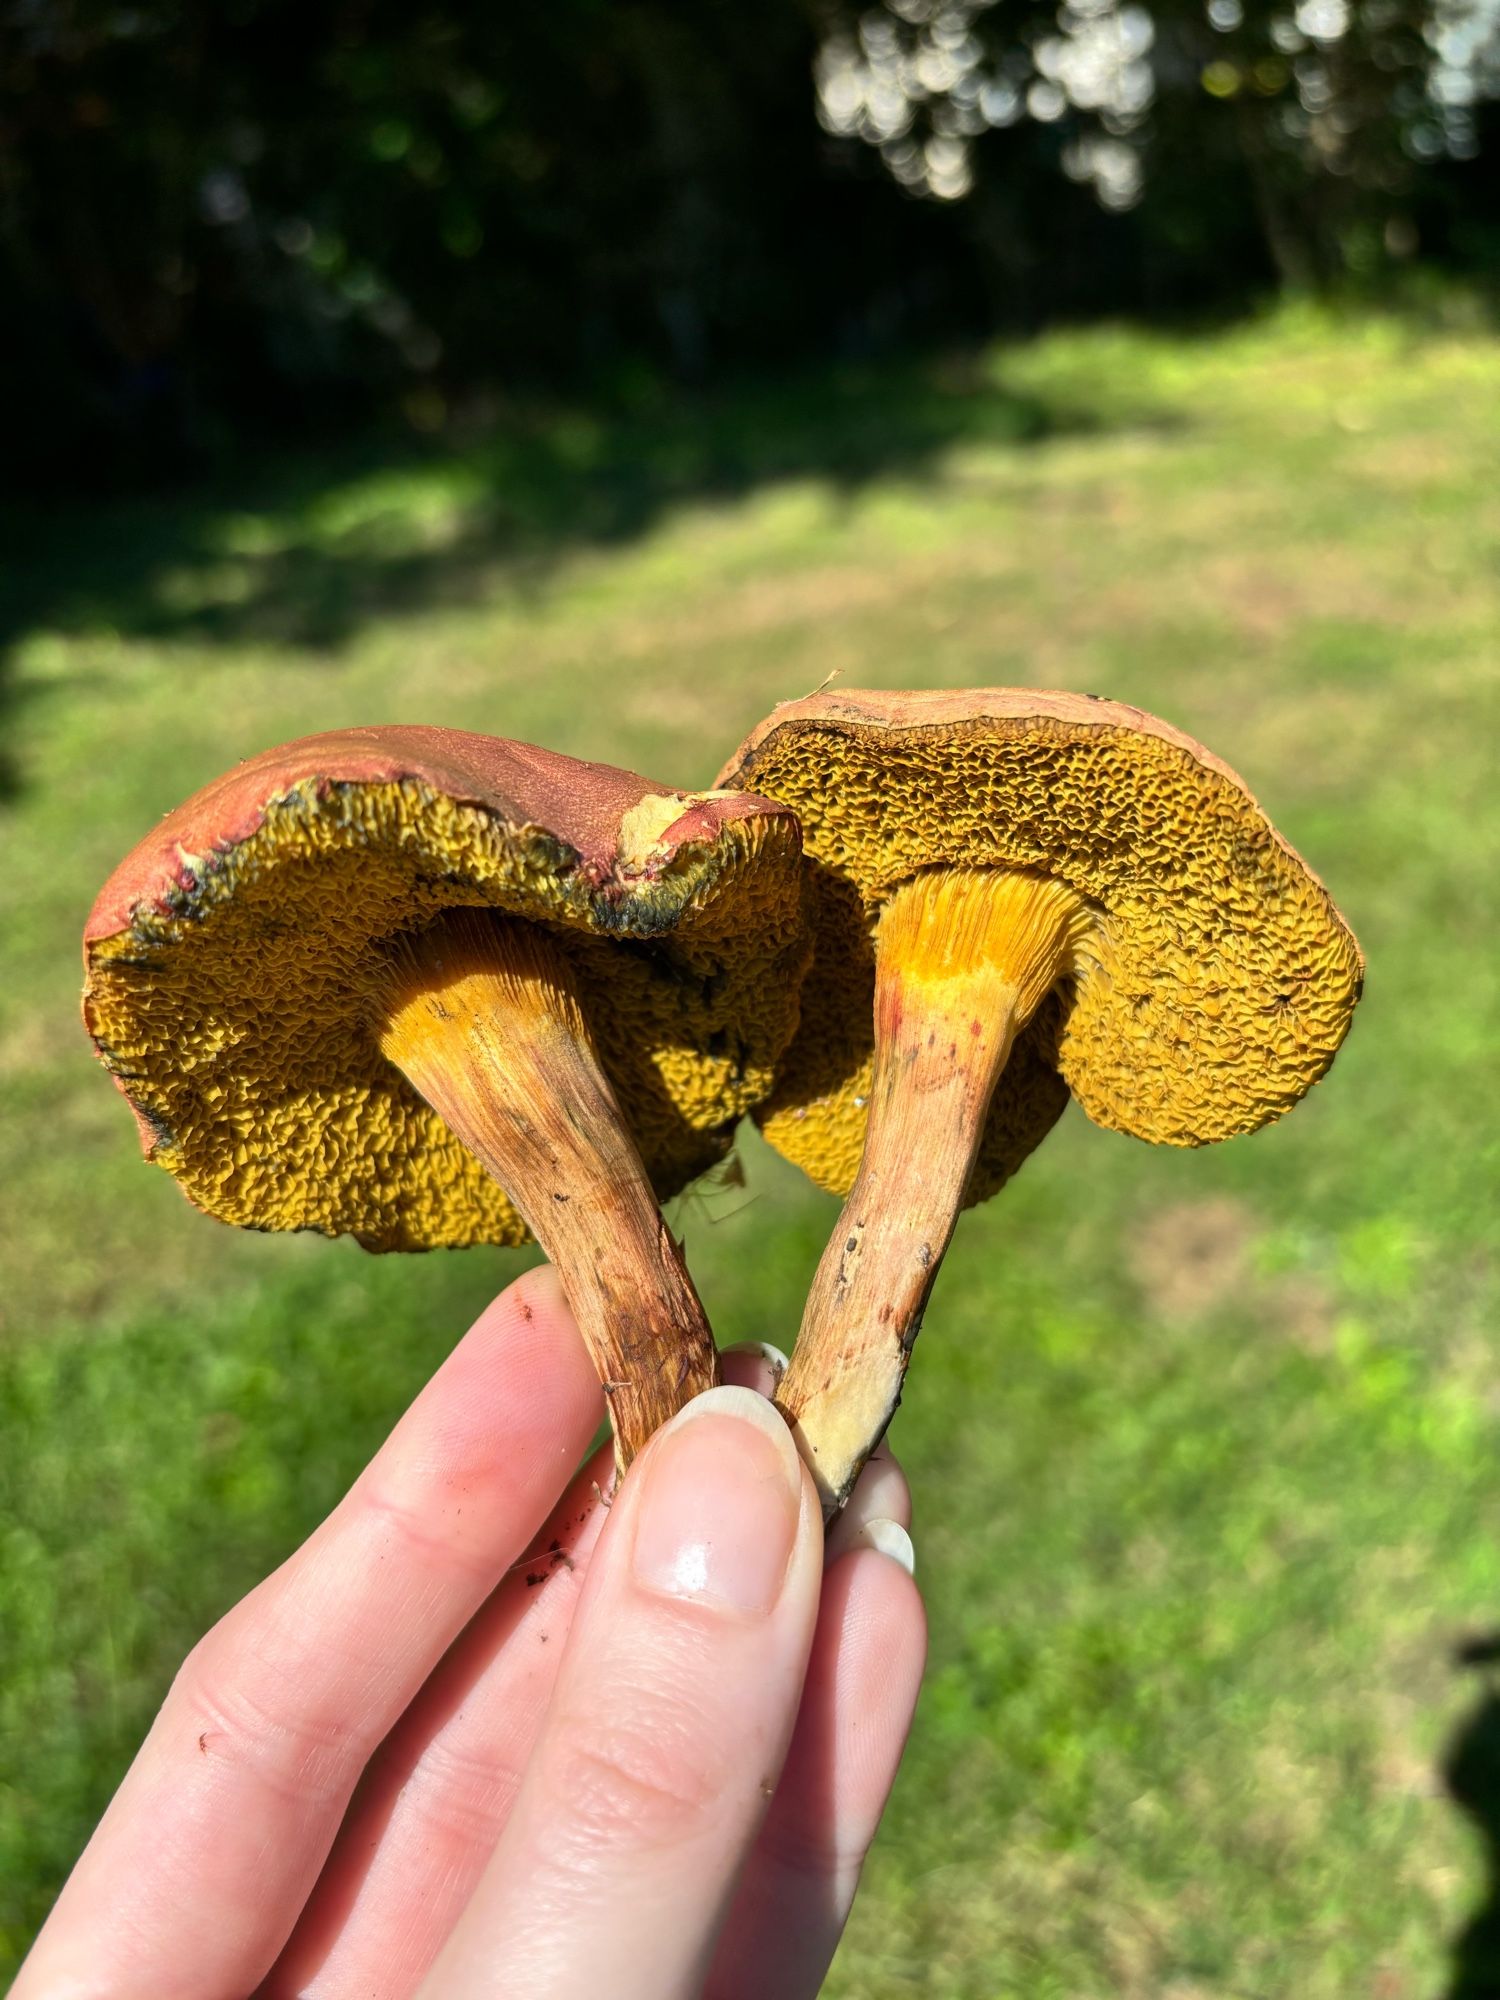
pixel 1472 1772
pixel 253 555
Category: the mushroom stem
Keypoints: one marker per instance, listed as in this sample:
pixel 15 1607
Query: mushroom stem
pixel 963 958
pixel 483 1017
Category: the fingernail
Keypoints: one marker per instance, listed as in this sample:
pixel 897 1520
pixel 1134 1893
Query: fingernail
pixel 880 1494
pixel 718 1516
pixel 887 1538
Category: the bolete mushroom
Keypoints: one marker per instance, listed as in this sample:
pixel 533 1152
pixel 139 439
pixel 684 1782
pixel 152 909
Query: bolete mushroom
pixel 1016 895
pixel 429 988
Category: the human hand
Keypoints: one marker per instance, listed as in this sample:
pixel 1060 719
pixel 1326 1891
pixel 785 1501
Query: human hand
pixel 646 1758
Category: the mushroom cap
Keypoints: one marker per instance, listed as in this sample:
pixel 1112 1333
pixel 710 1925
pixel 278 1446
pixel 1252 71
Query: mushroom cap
pixel 1218 981
pixel 235 967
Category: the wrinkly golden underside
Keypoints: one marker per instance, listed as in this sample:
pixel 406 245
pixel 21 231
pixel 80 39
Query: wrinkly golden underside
pixel 243 1025
pixel 1214 988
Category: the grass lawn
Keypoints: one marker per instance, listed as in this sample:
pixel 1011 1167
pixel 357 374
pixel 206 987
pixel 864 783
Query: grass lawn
pixel 1204 1446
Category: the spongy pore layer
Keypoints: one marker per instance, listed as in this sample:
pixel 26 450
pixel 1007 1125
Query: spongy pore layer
pixel 1212 988
pixel 239 1013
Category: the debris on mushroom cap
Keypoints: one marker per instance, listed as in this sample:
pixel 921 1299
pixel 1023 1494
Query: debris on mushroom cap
pixel 234 968
pixel 1219 978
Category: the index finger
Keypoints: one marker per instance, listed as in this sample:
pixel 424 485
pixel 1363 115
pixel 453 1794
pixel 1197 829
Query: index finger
pixel 213 1842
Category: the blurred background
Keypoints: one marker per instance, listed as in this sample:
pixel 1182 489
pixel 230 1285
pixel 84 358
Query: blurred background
pixel 601 374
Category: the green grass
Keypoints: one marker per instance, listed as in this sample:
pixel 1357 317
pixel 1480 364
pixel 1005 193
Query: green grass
pixel 1204 1446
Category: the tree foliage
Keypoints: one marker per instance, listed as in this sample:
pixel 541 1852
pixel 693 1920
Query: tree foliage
pixel 221 214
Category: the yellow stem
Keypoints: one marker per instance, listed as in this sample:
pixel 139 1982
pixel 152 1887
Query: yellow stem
pixel 963 958
pixel 484 1019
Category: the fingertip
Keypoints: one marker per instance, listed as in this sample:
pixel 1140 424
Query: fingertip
pixel 532 1316
pixel 536 1296
pixel 754 1364
pixel 520 1374
pixel 881 1493
pixel 537 1292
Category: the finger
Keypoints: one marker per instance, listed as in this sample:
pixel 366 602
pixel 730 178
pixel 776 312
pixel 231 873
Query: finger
pixel 668 1726
pixel 437 1795
pixel 862 1681
pixel 426 1818
pixel 211 1845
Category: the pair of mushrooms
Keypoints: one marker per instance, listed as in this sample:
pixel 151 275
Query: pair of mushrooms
pixel 429 988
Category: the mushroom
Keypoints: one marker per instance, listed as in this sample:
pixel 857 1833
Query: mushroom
pixel 429 988
pixel 1015 896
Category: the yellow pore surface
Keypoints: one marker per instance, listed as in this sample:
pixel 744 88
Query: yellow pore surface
pixel 1211 988
pixel 243 1026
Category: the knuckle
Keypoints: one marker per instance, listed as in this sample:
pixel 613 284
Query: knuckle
pixel 427 1537
pixel 225 1715
pixel 464 1796
pixel 647 1781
